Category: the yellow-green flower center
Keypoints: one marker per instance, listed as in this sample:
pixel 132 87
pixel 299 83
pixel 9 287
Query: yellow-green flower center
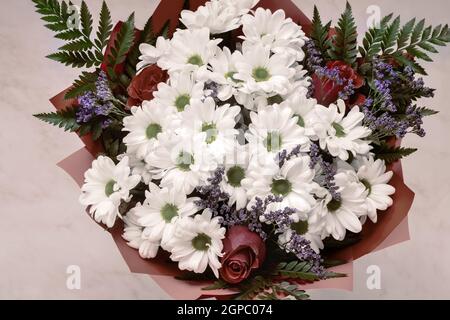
pixel 261 74
pixel 334 205
pixel 201 242
pixel 184 161
pixel 195 60
pixel 109 188
pixel 168 212
pixel 182 101
pixel 211 132
pixel 276 99
pixel 152 130
pixel 281 187
pixel 300 227
pixel 235 175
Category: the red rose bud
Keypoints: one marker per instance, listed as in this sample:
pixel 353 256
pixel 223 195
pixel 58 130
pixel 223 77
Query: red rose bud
pixel 327 89
pixel 244 250
pixel 144 84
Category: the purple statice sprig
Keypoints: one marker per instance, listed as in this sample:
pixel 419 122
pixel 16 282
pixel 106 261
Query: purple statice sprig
pixel 283 156
pixel 212 196
pixel 328 171
pixel 98 105
pixel 301 248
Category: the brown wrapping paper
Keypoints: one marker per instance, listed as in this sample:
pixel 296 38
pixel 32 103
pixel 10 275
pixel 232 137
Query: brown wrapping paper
pixel 392 226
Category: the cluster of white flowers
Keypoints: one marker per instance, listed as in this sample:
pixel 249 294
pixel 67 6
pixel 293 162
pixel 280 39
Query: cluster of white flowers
pixel 237 110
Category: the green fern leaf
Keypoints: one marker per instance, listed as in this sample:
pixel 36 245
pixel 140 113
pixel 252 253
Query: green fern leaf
pixel 391 154
pixel 320 32
pixel 85 83
pixel 105 26
pixel 390 36
pixel 65 119
pixel 344 43
pixel 122 45
pixel 86 19
pixel 77 45
pixel 405 34
pixel 302 270
pixel 74 59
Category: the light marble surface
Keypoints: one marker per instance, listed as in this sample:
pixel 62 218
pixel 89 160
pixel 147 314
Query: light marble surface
pixel 44 229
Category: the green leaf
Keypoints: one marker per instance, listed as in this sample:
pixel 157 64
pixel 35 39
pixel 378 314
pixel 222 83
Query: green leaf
pixel 105 26
pixel 219 284
pixel 77 45
pixel 252 287
pixel 65 119
pixel 320 32
pixel 78 51
pixel 71 34
pixel 373 39
pixel 390 36
pixel 86 19
pixel 302 270
pixel 97 131
pixel 85 83
pixel 425 112
pixel 405 34
pixel 344 43
pixel 404 61
pixel 74 59
pixel 391 154
pixel 122 44
pixel 289 289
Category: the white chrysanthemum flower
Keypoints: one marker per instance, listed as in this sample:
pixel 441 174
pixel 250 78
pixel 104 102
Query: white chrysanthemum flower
pixel 219 16
pixel 273 130
pixel 293 181
pixel 197 243
pixel 138 167
pixel 182 89
pixel 160 211
pixel 309 226
pixel 303 108
pixel 106 185
pixel 133 233
pixel 262 72
pixel 189 50
pixel 145 125
pixel 236 166
pixel 341 134
pixel 217 123
pixel 343 214
pixel 151 54
pixel 261 100
pixel 182 163
pixel 372 174
pixel 222 73
pixel 276 31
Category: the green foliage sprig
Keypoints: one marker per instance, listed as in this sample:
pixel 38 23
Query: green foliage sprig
pixel 413 40
pixel 320 33
pixel 80 50
pixel 391 154
pixel 65 119
pixel 302 270
pixel 344 43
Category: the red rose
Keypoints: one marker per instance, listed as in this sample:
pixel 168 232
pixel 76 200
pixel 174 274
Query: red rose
pixel 244 250
pixel 326 90
pixel 144 84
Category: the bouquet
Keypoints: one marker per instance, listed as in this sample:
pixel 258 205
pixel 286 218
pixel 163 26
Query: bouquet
pixel 238 145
